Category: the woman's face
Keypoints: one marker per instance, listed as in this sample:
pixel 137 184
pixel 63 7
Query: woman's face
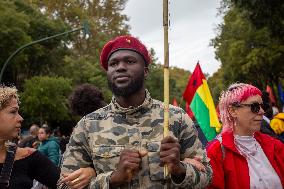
pixel 10 121
pixel 42 135
pixel 247 121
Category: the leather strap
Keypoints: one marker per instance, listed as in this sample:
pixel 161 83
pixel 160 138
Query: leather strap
pixel 8 165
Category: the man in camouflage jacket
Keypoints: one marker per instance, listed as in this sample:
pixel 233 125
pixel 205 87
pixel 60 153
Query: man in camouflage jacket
pixel 124 141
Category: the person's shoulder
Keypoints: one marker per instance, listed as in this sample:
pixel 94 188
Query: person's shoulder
pixel 23 153
pixel 27 138
pixel 99 113
pixel 213 146
pixel 265 138
pixel 159 104
pixel 53 141
pixel 85 122
pixel 269 142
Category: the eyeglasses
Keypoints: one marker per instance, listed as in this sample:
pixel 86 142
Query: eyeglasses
pixel 254 107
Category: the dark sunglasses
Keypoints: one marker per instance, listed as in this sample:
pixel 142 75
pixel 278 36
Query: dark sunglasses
pixel 254 107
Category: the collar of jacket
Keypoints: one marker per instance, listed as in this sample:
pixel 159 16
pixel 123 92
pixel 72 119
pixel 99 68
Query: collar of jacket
pixel 146 105
pixel 228 141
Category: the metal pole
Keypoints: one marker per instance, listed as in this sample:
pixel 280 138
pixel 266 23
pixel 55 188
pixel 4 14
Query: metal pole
pixel 85 27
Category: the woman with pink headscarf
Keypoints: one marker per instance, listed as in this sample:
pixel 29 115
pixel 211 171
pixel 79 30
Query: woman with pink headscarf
pixel 241 157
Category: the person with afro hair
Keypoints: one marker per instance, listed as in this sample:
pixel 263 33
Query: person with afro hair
pixel 85 99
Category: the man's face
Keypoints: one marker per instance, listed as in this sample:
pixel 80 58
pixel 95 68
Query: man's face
pixel 126 72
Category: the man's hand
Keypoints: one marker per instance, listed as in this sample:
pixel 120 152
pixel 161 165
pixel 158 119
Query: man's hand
pixel 79 179
pixel 128 166
pixel 170 155
pixel 196 162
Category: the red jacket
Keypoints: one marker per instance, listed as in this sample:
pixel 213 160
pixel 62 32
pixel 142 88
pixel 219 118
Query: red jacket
pixel 235 166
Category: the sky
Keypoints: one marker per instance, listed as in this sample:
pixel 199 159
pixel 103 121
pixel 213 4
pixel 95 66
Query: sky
pixel 192 25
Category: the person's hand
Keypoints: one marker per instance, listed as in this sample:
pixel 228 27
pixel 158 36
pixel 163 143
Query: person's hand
pixel 128 166
pixel 170 155
pixel 79 178
pixel 196 162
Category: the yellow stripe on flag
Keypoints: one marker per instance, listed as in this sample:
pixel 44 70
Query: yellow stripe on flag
pixel 204 93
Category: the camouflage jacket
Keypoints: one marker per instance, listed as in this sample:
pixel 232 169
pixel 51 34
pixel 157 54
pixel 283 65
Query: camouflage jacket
pixel 100 136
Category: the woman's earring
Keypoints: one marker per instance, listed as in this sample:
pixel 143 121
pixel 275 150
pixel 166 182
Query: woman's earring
pixel 235 122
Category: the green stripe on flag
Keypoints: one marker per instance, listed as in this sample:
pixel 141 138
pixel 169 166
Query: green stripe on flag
pixel 201 114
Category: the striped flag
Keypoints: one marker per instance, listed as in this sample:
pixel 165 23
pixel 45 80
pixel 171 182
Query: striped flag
pixel 271 95
pixel 281 93
pixel 198 95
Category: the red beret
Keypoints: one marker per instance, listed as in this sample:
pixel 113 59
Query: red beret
pixel 125 42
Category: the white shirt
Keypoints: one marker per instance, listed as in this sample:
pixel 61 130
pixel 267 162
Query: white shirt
pixel 262 174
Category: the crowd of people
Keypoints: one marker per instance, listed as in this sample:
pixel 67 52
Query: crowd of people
pixel 121 144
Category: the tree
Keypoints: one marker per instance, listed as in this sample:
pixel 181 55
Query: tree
pixel 155 82
pixel 216 84
pixel 263 13
pixel 82 70
pixel 45 99
pixel 104 18
pixel 13 32
pixel 20 24
pixel 105 22
pixel 249 53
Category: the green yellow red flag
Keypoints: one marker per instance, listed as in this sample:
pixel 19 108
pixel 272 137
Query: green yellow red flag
pixel 198 95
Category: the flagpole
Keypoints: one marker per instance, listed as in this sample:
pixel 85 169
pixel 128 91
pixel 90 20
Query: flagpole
pixel 180 101
pixel 166 75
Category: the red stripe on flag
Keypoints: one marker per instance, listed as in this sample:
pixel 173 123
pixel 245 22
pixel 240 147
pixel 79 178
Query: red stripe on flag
pixel 194 82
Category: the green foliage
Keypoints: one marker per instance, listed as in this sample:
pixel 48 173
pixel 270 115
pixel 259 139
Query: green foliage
pixel 155 81
pixel 216 85
pixel 22 24
pixel 246 51
pixel 13 30
pixel 178 81
pixel 45 98
pixel 82 71
pixel 263 13
pixel 104 18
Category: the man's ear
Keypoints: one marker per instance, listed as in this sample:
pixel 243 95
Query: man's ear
pixel 146 72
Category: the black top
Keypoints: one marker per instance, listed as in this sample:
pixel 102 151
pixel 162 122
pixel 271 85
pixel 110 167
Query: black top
pixel 35 166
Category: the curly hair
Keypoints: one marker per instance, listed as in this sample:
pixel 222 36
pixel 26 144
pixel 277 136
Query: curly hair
pixel 235 94
pixel 6 95
pixel 85 99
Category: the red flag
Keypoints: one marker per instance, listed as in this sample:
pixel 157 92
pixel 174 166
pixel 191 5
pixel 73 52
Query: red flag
pixel 175 102
pixel 195 80
pixel 271 96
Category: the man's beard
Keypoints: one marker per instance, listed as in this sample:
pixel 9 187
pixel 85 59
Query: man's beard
pixel 134 86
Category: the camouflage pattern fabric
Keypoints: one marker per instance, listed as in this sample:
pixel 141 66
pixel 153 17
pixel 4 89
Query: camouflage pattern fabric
pixel 100 136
